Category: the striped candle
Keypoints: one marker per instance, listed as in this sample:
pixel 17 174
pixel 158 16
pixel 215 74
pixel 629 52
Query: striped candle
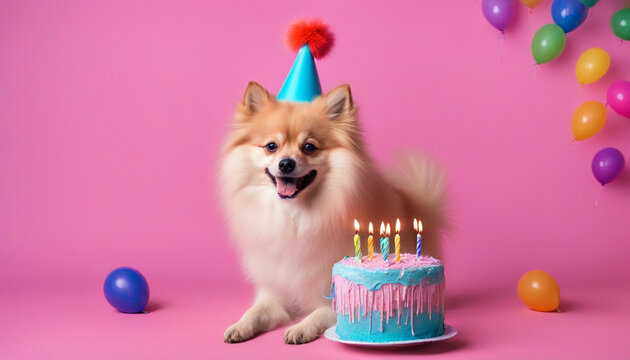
pixel 384 243
pixel 397 240
pixel 371 242
pixel 357 241
pixel 417 225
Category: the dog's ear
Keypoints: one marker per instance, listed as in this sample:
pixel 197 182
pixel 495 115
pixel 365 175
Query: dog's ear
pixel 255 98
pixel 338 102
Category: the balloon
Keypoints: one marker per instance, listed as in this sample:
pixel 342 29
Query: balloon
pixel 620 23
pixel 618 97
pixel 531 3
pixel 539 291
pixel 568 14
pixel 588 119
pixel 126 290
pixel 607 165
pixel 592 65
pixel 499 13
pixel 548 43
pixel 589 3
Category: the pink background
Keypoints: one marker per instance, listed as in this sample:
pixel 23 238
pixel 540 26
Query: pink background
pixel 112 115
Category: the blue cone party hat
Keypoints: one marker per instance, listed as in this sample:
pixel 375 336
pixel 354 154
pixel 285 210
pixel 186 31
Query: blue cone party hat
pixel 312 40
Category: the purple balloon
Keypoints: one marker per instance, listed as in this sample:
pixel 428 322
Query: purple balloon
pixel 607 165
pixel 499 13
pixel 618 97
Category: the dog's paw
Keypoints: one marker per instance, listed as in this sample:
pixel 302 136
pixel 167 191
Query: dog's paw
pixel 301 334
pixel 238 332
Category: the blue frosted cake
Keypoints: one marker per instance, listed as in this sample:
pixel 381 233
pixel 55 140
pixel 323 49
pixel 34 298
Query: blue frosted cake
pixel 377 301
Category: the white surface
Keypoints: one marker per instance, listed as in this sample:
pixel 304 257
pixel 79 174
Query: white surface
pixel 449 332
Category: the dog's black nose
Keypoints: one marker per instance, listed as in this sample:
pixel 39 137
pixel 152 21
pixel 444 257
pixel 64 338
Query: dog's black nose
pixel 287 166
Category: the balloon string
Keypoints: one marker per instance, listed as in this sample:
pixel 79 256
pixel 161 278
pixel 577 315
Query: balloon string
pixel 536 69
pixel 581 87
pixel 599 195
pixel 499 42
pixel 572 141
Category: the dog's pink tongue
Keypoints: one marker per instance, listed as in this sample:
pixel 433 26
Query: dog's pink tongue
pixel 286 188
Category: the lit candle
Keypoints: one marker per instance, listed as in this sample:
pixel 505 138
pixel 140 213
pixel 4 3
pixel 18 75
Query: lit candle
pixel 417 225
pixel 397 240
pixel 384 242
pixel 371 242
pixel 357 241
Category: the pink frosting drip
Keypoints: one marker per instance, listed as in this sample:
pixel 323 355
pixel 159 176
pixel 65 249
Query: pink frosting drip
pixel 406 261
pixel 357 301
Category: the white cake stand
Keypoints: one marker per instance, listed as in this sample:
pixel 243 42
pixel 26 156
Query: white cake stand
pixel 449 332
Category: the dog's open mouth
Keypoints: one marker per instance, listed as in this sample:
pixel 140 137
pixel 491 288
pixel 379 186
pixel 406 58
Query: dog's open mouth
pixel 288 187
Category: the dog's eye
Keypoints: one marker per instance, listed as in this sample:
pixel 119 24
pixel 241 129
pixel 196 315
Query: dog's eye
pixel 309 148
pixel 271 147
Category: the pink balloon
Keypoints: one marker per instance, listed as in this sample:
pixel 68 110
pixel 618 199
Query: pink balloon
pixel 618 97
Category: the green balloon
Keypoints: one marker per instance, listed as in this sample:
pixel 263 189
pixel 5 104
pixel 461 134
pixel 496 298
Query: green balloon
pixel 548 43
pixel 620 23
pixel 589 3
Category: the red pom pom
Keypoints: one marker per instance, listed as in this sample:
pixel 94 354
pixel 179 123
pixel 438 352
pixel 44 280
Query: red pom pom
pixel 313 32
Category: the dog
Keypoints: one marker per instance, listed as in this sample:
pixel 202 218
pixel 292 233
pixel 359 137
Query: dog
pixel 293 176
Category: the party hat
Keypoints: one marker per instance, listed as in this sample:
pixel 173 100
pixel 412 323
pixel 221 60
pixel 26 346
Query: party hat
pixel 312 40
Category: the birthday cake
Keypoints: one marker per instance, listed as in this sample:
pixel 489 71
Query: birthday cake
pixel 384 301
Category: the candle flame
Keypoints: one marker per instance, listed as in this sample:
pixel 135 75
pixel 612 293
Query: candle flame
pixel 388 231
pixel 419 226
pixel 382 229
pixel 415 224
pixel 371 228
pixel 356 226
pixel 397 226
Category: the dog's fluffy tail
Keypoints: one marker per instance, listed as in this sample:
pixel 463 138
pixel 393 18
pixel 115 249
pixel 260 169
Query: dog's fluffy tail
pixel 422 185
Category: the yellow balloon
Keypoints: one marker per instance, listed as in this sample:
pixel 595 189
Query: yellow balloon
pixel 588 119
pixel 592 65
pixel 539 291
pixel 531 3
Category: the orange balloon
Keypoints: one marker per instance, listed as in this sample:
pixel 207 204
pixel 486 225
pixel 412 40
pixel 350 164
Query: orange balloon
pixel 531 3
pixel 588 119
pixel 539 291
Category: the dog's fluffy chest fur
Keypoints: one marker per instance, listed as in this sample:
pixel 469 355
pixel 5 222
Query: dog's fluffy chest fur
pixel 287 251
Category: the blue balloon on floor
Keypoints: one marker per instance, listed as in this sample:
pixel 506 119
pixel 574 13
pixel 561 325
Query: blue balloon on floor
pixel 568 14
pixel 126 290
